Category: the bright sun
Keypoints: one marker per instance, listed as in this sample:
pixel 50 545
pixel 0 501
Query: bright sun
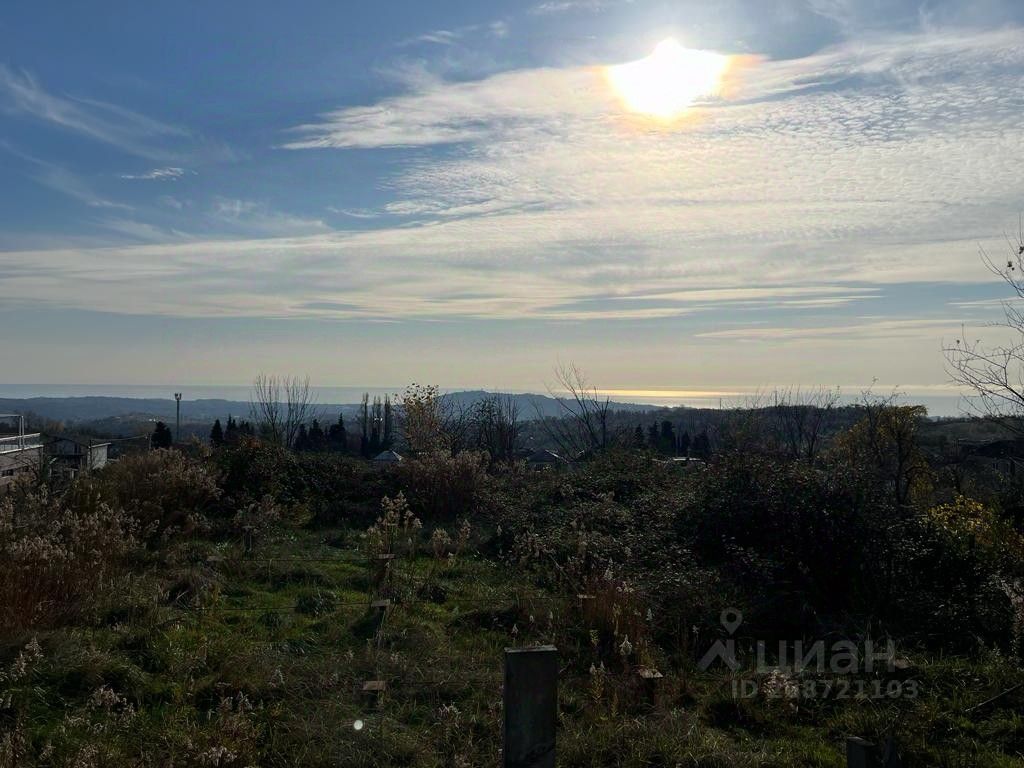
pixel 668 81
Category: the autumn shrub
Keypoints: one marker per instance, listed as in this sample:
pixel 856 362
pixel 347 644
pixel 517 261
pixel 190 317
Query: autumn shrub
pixel 253 468
pixel 57 558
pixel 166 491
pixel 441 486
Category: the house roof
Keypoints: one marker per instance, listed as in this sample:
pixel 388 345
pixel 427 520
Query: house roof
pixel 85 442
pixel 388 457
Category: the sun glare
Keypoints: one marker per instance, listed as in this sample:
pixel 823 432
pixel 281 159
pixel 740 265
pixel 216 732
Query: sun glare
pixel 667 82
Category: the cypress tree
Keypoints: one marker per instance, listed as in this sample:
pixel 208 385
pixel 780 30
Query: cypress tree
pixel 217 434
pixel 317 438
pixel 301 439
pixel 667 439
pixel 162 437
pixel 337 436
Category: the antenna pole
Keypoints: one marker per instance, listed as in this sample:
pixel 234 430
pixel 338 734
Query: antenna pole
pixel 177 417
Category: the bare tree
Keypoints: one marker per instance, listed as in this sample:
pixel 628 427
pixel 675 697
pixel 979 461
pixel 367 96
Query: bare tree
pixel 996 373
pixel 583 425
pixel 801 419
pixel 496 426
pixel 457 419
pixel 280 404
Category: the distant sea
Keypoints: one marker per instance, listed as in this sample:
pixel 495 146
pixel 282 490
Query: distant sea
pixel 937 404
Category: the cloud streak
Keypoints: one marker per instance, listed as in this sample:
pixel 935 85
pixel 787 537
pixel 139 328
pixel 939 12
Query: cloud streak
pixel 157 174
pixel 22 94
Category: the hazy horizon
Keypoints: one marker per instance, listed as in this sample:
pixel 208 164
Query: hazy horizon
pixel 938 404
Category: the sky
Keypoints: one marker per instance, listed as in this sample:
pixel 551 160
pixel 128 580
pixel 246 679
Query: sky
pixel 454 192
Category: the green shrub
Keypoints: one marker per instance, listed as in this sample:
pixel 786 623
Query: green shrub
pixel 255 468
pixel 165 490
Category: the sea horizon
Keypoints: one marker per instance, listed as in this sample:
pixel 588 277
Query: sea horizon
pixel 939 404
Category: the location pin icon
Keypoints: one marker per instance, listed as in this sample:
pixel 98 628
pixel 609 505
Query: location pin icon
pixel 731 620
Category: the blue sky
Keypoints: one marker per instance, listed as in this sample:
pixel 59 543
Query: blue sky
pixel 450 191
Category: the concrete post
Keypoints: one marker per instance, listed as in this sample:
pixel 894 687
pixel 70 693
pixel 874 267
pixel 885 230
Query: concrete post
pixel 531 706
pixel 860 753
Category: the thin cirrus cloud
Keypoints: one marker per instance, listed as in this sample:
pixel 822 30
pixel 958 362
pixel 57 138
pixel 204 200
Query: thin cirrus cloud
pixel 531 194
pixel 157 174
pixel 22 94
pixel 63 180
pixel 887 162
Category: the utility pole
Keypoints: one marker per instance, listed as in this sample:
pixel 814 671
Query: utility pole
pixel 177 417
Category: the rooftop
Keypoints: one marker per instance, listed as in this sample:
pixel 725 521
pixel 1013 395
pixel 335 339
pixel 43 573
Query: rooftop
pixel 14 443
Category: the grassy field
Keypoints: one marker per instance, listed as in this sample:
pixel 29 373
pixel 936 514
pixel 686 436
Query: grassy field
pixel 210 656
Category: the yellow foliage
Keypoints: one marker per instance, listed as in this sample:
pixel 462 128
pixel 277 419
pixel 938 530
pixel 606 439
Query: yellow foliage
pixel 969 519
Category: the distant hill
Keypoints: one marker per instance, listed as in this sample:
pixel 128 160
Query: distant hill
pixel 134 410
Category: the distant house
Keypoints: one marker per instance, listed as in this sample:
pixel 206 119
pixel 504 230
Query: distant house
pixel 20 454
pixel 544 458
pixel 76 455
pixel 1004 456
pixel 387 457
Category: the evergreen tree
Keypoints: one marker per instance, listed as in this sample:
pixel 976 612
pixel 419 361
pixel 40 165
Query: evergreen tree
pixel 376 427
pixel 702 445
pixel 638 437
pixel 162 437
pixel 317 438
pixel 387 437
pixel 684 444
pixel 364 424
pixel 652 437
pixel 231 431
pixel 301 439
pixel 216 434
pixel 337 436
pixel 667 438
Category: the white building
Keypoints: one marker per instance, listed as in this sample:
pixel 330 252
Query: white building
pixel 20 454
pixel 73 455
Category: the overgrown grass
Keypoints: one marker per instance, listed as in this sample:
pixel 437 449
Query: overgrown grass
pixel 188 617
pixel 218 658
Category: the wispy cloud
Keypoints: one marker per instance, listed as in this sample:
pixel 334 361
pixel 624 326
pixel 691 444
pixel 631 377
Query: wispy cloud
pixel 498 28
pixel 136 134
pixel 157 174
pixel 879 162
pixel 858 330
pixel 63 180
pixel 438 36
pixel 550 7
pixel 257 218
pixel 811 185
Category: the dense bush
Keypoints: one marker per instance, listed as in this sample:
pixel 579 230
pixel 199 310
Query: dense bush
pixel 254 468
pixel 802 551
pixel 57 558
pixel 330 488
pixel 440 486
pixel 166 491
pixel 341 490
